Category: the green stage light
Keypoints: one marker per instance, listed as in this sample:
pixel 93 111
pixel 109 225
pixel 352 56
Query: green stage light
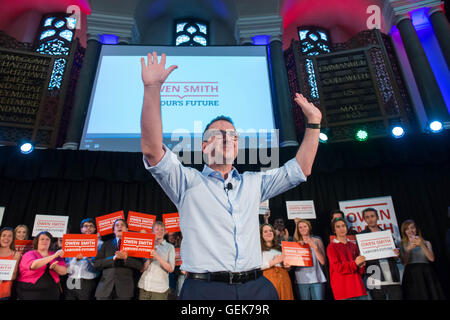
pixel 361 135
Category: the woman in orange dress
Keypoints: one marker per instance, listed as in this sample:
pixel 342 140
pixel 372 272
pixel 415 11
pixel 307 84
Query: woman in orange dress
pixel 272 265
pixel 8 252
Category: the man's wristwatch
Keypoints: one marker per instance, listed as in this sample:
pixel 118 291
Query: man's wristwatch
pixel 313 125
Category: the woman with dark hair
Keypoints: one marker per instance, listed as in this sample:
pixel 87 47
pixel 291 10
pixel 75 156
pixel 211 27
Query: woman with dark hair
pixel 8 252
pixel 419 279
pixel 39 271
pixel 272 263
pixel 346 265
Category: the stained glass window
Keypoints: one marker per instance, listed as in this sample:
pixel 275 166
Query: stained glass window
pixel 55 38
pixel 314 41
pixel 191 32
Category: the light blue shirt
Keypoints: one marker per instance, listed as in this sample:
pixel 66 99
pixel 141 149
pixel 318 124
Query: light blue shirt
pixel 220 227
pixel 84 268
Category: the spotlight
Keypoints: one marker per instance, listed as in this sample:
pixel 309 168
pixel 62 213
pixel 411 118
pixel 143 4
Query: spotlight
pixel 398 132
pixel 323 137
pixel 361 135
pixel 26 147
pixel 436 126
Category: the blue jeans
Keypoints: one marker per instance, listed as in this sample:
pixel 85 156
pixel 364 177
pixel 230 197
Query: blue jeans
pixel 311 291
pixel 358 298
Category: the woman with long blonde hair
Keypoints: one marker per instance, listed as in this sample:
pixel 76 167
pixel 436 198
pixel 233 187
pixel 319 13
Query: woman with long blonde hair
pixel 310 280
pixel 272 264
pixel 419 279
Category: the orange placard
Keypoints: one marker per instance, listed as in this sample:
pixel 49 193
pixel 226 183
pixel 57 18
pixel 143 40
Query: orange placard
pixel 178 260
pixel 296 254
pixel 171 222
pixel 137 245
pixel 352 238
pixel 75 244
pixel 23 246
pixel 140 221
pixel 105 223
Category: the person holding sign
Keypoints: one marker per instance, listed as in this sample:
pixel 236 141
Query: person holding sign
pixel 310 280
pixel 272 263
pixel 219 206
pixel 117 281
pixel 419 279
pixel 154 282
pixel 81 282
pixel 346 265
pixel 40 271
pixel 385 271
pixel 7 252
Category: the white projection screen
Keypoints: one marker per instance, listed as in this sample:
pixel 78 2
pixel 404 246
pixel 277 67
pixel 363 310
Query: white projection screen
pixel 210 81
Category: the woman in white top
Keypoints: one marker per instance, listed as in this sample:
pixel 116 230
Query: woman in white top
pixel 154 282
pixel 310 280
pixel 272 265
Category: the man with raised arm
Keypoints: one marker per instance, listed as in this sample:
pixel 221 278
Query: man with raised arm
pixel 218 207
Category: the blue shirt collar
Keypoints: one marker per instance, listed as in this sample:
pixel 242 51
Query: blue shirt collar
pixel 207 171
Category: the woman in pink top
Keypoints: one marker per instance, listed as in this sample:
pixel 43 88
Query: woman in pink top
pixel 8 252
pixel 39 271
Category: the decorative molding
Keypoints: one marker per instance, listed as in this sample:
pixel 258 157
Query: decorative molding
pixel 107 23
pixel 433 10
pixel 394 10
pixel 248 27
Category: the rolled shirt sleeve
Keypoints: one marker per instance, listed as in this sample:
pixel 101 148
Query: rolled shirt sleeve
pixel 279 180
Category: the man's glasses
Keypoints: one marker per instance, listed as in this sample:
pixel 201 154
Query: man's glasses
pixel 220 135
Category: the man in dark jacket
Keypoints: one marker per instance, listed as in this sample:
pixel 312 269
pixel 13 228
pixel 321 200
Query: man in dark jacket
pixel 117 280
pixel 384 272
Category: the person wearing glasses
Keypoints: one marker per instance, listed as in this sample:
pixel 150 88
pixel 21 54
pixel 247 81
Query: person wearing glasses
pixel 218 207
pixel 82 279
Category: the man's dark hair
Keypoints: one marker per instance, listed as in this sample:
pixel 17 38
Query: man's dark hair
pixel 332 212
pixel 88 220
pixel 221 117
pixel 368 210
pixel 114 224
pixel 336 220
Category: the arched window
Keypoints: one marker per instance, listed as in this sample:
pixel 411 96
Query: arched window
pixel 55 38
pixel 314 41
pixel 191 32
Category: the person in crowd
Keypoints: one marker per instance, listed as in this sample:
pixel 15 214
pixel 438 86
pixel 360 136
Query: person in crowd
pixel 8 252
pixel 336 213
pixel 272 263
pixel 117 280
pixel 21 232
pixel 388 286
pixel 280 228
pixel 174 238
pixel 310 280
pixel 419 279
pixel 218 207
pixel 154 282
pixel 346 265
pixel 81 282
pixel 40 271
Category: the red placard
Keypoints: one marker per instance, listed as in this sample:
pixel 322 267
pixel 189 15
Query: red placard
pixel 171 222
pixel 178 260
pixel 23 246
pixel 105 223
pixel 75 244
pixel 140 221
pixel 137 245
pixel 296 254
pixel 352 238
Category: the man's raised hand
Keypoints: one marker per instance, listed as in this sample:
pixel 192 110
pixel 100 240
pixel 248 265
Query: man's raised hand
pixel 153 73
pixel 311 112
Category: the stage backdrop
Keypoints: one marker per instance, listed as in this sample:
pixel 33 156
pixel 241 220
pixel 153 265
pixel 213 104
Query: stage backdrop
pixel 414 170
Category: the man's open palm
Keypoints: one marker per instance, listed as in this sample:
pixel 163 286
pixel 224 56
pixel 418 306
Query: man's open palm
pixel 154 73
